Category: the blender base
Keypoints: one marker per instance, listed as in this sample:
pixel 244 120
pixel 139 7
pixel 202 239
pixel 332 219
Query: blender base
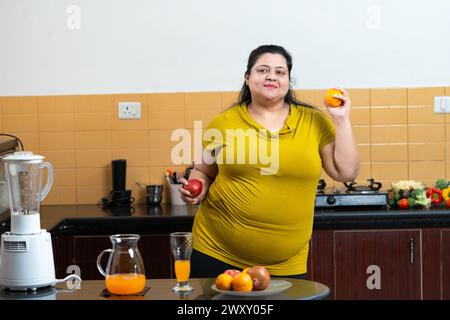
pixel 26 261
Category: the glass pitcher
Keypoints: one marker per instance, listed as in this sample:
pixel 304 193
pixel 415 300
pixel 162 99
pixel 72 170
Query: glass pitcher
pixel 125 272
pixel 24 178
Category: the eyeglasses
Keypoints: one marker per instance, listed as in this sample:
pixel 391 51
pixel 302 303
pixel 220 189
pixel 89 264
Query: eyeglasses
pixel 279 71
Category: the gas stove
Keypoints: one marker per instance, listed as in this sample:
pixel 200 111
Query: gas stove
pixel 352 197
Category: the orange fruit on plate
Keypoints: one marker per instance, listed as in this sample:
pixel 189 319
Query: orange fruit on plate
pixel 242 282
pixel 224 281
pixel 330 100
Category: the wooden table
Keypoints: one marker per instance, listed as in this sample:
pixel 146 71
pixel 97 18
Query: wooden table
pixel 161 289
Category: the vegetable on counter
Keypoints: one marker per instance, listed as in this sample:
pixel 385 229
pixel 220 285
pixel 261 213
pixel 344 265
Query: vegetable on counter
pixel 403 203
pixel 435 195
pixel 408 194
pixel 441 184
pixel 421 198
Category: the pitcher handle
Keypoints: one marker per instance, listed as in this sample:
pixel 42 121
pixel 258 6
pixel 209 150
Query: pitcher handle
pixel 99 267
pixel 49 184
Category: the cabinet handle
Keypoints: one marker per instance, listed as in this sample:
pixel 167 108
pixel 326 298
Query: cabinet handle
pixel 411 250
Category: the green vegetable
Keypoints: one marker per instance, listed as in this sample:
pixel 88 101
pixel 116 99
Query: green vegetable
pixel 412 202
pixel 421 198
pixel 392 202
pixel 441 183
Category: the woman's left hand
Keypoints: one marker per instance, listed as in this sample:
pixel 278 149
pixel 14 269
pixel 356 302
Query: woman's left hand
pixel 343 111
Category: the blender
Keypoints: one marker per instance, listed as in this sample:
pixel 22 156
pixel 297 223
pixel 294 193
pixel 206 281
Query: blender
pixel 26 253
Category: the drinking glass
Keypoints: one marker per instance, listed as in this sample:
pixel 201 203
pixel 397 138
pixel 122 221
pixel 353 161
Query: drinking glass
pixel 181 246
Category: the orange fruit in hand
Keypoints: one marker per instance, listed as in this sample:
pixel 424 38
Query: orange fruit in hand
pixel 330 100
pixel 224 281
pixel 242 282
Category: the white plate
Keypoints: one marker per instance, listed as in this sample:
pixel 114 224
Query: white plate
pixel 275 286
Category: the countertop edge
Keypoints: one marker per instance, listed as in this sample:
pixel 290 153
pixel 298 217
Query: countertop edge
pixel 86 219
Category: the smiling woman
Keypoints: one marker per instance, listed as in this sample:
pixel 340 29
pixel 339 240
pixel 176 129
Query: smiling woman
pixel 250 215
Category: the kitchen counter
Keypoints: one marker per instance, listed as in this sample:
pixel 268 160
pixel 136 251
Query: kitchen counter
pixel 161 289
pixel 92 219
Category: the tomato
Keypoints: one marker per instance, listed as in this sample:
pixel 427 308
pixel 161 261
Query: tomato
pixel 403 203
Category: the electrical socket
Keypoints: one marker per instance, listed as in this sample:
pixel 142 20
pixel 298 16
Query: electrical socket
pixel 129 110
pixel 441 104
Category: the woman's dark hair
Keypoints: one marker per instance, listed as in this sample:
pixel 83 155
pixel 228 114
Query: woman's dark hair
pixel 245 94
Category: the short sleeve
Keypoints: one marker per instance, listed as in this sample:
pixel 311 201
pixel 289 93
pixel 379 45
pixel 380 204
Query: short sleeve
pixel 326 130
pixel 213 135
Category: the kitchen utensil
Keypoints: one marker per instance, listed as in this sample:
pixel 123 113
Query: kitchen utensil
pixel 26 252
pixel 119 196
pixel 154 194
pixel 187 173
pixel 175 196
pixel 125 272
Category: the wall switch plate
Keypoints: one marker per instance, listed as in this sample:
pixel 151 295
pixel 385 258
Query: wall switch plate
pixel 441 104
pixel 129 110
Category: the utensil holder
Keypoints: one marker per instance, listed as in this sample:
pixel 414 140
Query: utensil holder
pixel 175 196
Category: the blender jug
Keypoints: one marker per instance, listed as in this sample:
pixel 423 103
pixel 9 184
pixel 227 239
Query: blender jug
pixel 24 177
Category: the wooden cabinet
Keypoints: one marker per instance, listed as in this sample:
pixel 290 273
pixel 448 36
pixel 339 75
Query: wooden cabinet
pixel 368 264
pixel 445 264
pixel 83 251
pixel 321 259
pixel 377 264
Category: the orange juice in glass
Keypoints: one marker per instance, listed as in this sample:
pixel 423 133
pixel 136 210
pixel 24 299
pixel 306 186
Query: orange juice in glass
pixel 182 270
pixel 181 246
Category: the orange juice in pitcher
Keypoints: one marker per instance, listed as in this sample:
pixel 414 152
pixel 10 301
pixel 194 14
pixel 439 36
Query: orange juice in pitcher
pixel 125 283
pixel 125 273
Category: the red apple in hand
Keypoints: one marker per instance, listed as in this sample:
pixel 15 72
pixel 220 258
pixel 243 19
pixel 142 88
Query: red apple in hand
pixel 194 186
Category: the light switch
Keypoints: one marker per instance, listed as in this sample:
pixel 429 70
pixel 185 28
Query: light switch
pixel 441 104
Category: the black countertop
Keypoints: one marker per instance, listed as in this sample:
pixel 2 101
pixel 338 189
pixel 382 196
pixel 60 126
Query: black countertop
pixel 92 219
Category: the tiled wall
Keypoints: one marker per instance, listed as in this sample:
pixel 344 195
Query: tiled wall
pixel 398 135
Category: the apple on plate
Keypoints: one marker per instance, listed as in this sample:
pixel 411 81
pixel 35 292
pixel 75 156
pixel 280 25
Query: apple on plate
pixel 232 272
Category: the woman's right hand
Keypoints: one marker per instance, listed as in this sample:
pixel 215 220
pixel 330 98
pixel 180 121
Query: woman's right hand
pixel 186 195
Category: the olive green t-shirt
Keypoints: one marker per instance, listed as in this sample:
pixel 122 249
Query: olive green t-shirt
pixel 260 208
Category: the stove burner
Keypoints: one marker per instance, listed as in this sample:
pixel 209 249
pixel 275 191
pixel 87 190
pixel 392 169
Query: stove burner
pixel 372 187
pixel 321 186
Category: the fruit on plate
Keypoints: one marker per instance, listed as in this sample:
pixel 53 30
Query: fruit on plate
pixel 331 100
pixel 194 186
pixel 242 282
pixel 260 277
pixel 232 272
pixel 252 278
pixel 224 281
